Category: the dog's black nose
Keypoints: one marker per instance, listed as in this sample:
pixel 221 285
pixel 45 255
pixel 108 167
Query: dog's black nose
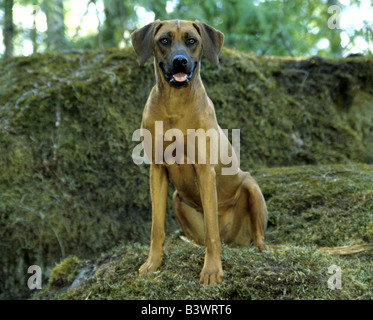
pixel 180 61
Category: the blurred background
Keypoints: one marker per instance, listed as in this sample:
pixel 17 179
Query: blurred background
pixel 329 28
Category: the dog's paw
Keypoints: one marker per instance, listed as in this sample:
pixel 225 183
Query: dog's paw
pixel 210 276
pixel 149 266
pixel 262 247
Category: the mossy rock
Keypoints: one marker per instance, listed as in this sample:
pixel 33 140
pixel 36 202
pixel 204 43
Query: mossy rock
pixel 64 274
pixel 289 273
pixel 68 185
pixel 309 208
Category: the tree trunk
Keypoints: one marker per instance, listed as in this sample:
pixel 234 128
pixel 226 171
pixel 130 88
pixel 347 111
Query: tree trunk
pixel 114 21
pixel 34 33
pixel 334 36
pixel 54 11
pixel 8 28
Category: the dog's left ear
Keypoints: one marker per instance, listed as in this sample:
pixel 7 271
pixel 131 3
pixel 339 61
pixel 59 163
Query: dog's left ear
pixel 212 40
pixel 142 41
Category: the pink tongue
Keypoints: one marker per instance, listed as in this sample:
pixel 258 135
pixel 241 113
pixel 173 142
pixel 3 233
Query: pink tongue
pixel 180 77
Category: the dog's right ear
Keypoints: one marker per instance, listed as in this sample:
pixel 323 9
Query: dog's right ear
pixel 142 41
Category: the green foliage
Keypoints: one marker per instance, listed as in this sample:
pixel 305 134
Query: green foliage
pixel 268 27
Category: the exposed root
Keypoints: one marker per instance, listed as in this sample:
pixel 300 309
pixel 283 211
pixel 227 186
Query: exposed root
pixel 347 249
pixel 344 250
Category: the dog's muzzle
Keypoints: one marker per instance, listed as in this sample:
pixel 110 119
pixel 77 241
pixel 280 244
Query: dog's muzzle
pixel 181 71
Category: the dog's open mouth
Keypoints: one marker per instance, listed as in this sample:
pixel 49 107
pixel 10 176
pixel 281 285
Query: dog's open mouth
pixel 179 79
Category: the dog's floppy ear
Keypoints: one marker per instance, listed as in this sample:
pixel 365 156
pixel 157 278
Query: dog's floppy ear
pixel 142 41
pixel 212 41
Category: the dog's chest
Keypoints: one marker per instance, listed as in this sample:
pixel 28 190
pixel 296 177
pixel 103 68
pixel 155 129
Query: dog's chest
pixel 185 181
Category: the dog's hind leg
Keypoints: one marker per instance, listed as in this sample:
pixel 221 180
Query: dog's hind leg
pixel 251 213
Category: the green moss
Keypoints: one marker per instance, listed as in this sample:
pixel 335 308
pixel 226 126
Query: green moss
pixel 323 205
pixel 309 207
pixel 293 273
pixel 73 189
pixel 64 274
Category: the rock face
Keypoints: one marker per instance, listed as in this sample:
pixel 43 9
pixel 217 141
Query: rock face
pixel 68 184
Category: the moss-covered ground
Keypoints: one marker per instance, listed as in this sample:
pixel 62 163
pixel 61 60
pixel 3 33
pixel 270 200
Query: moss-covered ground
pixel 310 208
pixel 292 273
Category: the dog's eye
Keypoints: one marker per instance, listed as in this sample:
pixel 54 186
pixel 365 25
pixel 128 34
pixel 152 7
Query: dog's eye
pixel 164 41
pixel 191 41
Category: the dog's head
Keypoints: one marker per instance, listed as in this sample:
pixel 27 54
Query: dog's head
pixel 177 46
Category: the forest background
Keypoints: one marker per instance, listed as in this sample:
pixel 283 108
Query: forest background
pixel 270 27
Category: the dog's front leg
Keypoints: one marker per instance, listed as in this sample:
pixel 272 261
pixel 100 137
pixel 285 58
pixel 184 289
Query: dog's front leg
pixel 158 192
pixel 212 271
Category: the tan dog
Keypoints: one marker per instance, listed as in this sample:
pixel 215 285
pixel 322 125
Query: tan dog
pixel 208 204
